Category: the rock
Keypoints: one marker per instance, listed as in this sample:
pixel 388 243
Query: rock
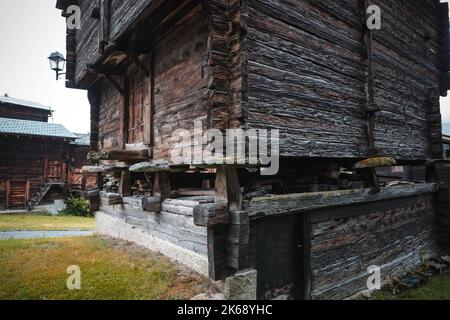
pixel 241 286
pixel 207 297
pixel 200 297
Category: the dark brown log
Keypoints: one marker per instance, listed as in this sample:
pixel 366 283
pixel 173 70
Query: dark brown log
pixel 211 214
pixel 120 155
pixel 114 199
pixel 125 184
pixel 152 204
pixel 228 187
pixel 161 186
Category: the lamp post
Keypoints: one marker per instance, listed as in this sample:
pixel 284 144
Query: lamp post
pixel 57 63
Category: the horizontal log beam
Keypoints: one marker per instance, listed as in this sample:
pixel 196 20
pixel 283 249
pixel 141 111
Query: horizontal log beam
pixel 302 202
pixel 157 166
pixel 114 199
pixel 119 155
pixel 211 214
pixel 375 163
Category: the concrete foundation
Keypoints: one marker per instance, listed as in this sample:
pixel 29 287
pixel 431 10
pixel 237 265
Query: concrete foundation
pixel 113 227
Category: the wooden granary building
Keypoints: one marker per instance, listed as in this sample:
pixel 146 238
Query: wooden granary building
pixel 38 159
pixel 345 98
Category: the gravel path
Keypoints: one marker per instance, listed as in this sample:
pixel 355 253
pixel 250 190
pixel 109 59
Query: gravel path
pixel 4 235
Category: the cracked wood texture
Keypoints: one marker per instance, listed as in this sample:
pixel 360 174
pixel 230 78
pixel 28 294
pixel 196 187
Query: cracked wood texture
pixel 306 74
pixel 297 66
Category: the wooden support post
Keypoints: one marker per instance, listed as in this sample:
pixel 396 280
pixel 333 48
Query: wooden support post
pixel 238 241
pixel 217 253
pixel 27 193
pixel 161 186
pixel 152 204
pixel 430 173
pixel 93 97
pixel 45 170
pixel 303 257
pixel 8 193
pixel 84 181
pixel 260 256
pixel 125 184
pixel 148 108
pixel 211 214
pixel 104 25
pixel 228 187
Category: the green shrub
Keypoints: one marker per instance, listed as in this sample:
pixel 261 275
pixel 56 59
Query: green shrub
pixel 76 206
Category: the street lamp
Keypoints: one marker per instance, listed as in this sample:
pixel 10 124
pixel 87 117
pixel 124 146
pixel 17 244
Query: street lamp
pixel 57 63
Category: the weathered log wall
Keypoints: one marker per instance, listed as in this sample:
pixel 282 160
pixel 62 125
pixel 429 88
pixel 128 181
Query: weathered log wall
pixel 123 14
pixel 180 88
pixel 319 246
pixel 396 235
pixel 109 117
pixel 20 112
pixel 23 159
pixel 306 72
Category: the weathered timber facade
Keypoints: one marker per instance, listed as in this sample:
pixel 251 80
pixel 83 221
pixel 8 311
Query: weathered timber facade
pixel 338 92
pixel 37 159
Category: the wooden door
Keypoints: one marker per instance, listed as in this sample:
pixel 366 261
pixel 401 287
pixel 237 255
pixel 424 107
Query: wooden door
pixel 16 194
pixel 139 89
pixel 282 247
pixel 55 171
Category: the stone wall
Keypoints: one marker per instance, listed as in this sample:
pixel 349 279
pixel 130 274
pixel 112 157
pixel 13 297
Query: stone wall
pixel 171 232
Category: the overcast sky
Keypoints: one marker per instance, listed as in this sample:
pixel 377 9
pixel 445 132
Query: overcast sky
pixel 29 31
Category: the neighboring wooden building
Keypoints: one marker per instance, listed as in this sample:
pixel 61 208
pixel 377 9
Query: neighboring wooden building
pixel 35 156
pixel 337 91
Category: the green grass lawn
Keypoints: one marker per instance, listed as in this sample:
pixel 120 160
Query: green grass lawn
pixel 36 270
pixel 16 222
pixel 437 289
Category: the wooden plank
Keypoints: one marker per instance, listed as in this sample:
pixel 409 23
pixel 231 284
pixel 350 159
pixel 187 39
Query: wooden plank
pixel 118 155
pixel 8 193
pixel 228 187
pixel 161 186
pixel 125 184
pixel 149 106
pixel 211 214
pixel 304 202
pixel 260 260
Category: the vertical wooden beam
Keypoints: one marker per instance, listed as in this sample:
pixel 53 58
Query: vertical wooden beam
pixel 45 170
pixel 149 106
pixel 124 115
pixel 303 257
pixel 217 253
pixel 8 193
pixel 228 187
pixel 94 101
pixel 104 25
pixel 64 171
pixel 27 192
pixel 125 183
pixel 260 256
pixel 84 181
pixel 371 107
pixel 161 186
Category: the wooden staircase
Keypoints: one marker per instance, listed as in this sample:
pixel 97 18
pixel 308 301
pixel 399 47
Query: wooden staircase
pixel 39 195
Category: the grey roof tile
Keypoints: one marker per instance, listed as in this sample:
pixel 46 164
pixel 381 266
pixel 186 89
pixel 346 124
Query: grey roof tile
pixel 34 128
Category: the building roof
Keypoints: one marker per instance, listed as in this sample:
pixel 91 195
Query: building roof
pixel 24 103
pixel 82 139
pixel 34 128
